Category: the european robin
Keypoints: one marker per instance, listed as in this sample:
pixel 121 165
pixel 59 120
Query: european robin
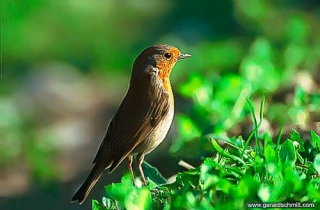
pixel 142 120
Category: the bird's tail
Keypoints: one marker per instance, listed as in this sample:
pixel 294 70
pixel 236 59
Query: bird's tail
pixel 88 184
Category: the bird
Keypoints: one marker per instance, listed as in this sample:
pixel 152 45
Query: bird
pixel 143 118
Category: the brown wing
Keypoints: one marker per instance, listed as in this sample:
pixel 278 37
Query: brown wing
pixel 139 113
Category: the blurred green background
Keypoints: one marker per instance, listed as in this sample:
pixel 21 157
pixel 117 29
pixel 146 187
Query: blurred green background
pixel 66 66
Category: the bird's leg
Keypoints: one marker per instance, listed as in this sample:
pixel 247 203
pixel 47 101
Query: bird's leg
pixel 129 163
pixel 140 158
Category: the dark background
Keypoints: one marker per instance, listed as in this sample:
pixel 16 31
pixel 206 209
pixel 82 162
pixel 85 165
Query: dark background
pixel 66 66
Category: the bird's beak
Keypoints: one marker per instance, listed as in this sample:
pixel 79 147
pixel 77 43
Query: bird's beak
pixel 183 56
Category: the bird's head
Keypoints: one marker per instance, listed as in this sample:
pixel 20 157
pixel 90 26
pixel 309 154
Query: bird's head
pixel 162 57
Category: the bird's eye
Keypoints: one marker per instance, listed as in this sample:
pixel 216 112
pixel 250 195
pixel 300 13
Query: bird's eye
pixel 167 55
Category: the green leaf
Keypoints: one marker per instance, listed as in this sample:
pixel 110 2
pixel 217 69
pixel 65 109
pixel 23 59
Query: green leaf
pixel 96 205
pixel 108 203
pixel 188 180
pixel 316 163
pixel 287 153
pixel 116 191
pixel 247 186
pixel 138 199
pixel 224 153
pixel 119 191
pixel 313 191
pixel 207 179
pixel 126 178
pixel 315 138
pixel 153 173
pixel 264 193
pixel 226 186
pixel 295 136
pixel 210 163
pixel 270 154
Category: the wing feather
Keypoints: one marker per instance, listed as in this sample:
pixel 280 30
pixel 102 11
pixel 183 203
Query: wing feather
pixel 137 116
